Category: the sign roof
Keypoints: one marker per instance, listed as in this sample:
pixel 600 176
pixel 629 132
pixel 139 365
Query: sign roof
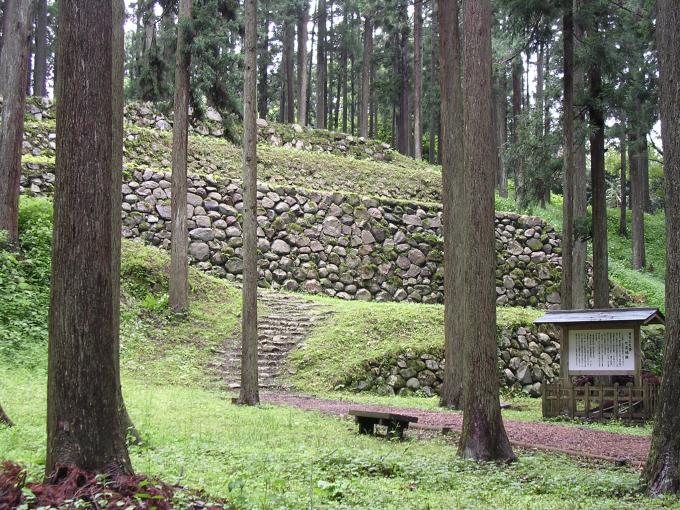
pixel 642 316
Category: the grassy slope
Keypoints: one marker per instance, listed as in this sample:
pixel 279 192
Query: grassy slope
pixel 273 457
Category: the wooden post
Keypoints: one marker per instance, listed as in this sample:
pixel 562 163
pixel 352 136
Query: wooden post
pixel 564 357
pixel 637 351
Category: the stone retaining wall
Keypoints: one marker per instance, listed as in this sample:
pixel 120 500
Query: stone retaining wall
pixel 527 359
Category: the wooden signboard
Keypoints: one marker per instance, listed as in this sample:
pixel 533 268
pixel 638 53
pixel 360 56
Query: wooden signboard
pixel 601 351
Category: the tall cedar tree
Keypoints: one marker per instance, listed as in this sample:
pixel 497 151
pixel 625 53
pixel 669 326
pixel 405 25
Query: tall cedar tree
pixel 623 227
pixel 85 426
pixel 289 69
pixel 249 394
pixel 662 472
pixel 418 79
pixel 13 71
pixel 598 182
pixel 403 124
pixel 637 198
pixel 41 49
pixel 483 436
pixel 579 193
pixel 179 262
pixel 321 65
pixel 303 21
pixel 366 76
pixel 568 206
pixel 453 180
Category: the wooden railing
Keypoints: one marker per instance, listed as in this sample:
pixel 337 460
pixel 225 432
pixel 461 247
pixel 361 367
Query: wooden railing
pixel 599 403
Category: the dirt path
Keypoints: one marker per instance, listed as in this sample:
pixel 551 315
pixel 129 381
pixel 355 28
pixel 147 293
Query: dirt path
pixel 578 442
pixel 286 323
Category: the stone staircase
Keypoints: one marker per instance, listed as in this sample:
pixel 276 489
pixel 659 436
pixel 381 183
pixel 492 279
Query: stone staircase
pixel 285 322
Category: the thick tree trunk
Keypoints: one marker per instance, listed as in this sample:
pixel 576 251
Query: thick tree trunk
pixel 418 80
pixel 40 65
pixel 13 88
pixel 249 394
pixel 365 77
pixel 85 425
pixel 403 125
pixel 453 196
pixel 321 68
pixel 623 223
pixel 303 21
pixel 483 435
pixel 344 86
pixel 289 70
pixel 568 204
pixel 580 198
pixel 263 82
pixel 599 190
pixel 4 419
pixel 179 265
pixel 637 192
pixel 662 472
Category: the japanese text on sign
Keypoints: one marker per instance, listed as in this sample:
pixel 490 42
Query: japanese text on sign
pixel 601 350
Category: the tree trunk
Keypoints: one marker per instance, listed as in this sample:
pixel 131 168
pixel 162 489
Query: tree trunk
pixel 417 80
pixel 403 131
pixel 289 70
pixel 637 192
pixel 117 122
pixel 568 204
pixel 516 111
pixel 302 63
pixel 580 198
pixel 644 161
pixel 40 65
pixel 263 82
pixel 365 77
pixel 662 472
pixel 434 103
pixel 623 223
pixel 13 87
pixel 85 425
pixel 179 270
pixel 345 93
pixel 453 194
pixel 599 189
pixel 4 419
pixel 249 394
pixel 540 95
pixel 309 68
pixel 501 116
pixel 321 68
pixel 483 436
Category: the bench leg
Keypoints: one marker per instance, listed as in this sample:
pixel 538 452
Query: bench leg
pixel 395 430
pixel 366 426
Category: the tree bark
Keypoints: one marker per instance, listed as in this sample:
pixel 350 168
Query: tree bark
pixel 321 68
pixel 40 64
pixel 580 198
pixel 263 82
pixel 13 87
pixel 516 111
pixel 289 71
pixel 345 94
pixel 453 195
pixel 85 426
pixel 302 63
pixel 417 80
pixel 403 130
pixel 249 394
pixel 662 472
pixel 434 103
pixel 623 223
pixel 568 204
pixel 179 264
pixel 501 116
pixel 366 77
pixel 483 436
pixel 637 198
pixel 599 190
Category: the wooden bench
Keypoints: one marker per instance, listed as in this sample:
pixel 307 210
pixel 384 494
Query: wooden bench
pixel 395 423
